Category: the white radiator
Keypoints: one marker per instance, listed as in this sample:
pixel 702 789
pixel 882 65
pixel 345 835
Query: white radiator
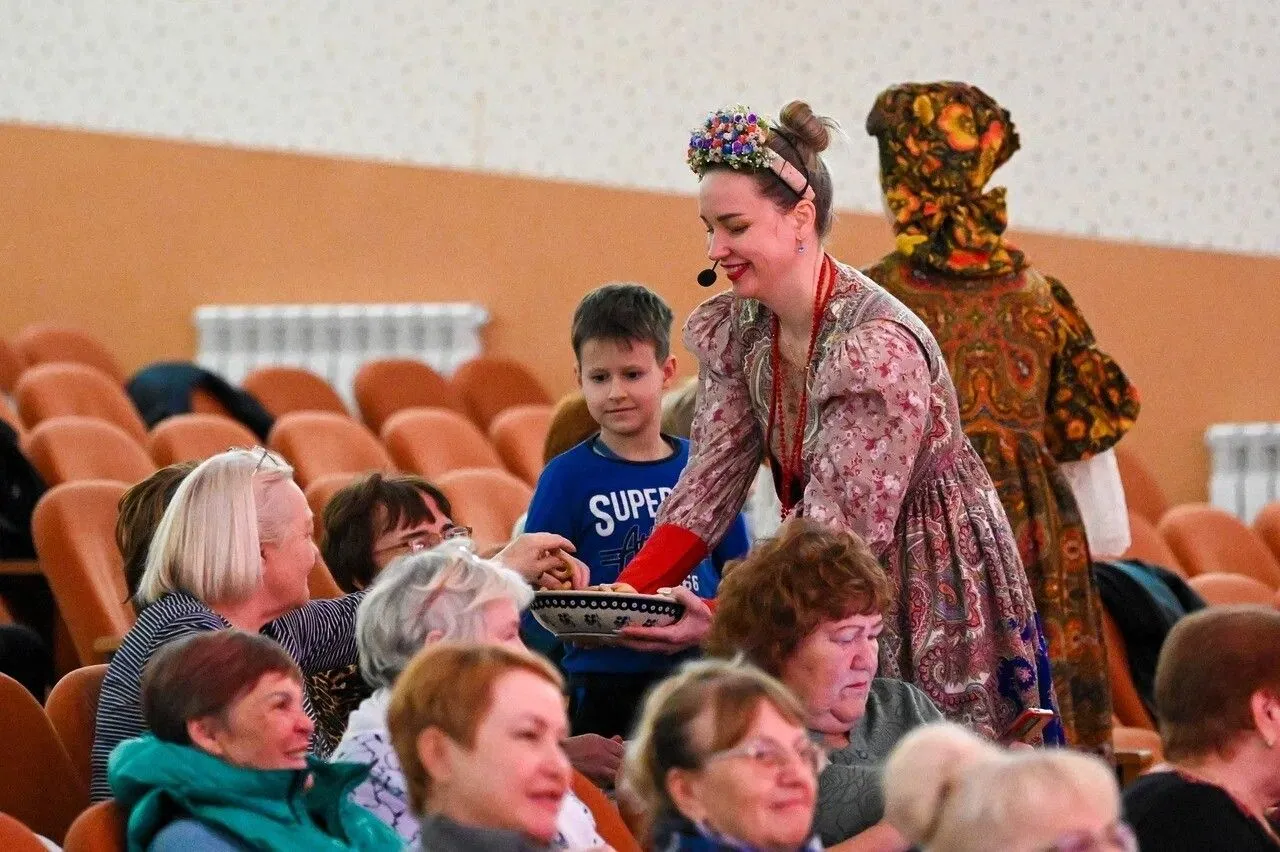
pixel 333 341
pixel 1245 473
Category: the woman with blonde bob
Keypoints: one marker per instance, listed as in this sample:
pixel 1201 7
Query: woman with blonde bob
pixel 445 594
pixel 477 729
pixel 233 549
pixel 947 790
pixel 721 761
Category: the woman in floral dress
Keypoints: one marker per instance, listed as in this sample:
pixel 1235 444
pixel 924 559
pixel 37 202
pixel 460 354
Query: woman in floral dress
pixel 810 365
pixel 1034 391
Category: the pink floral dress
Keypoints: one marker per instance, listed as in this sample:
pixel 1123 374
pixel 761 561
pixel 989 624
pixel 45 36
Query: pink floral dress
pixel 884 457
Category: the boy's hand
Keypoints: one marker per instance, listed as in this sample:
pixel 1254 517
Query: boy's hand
pixel 595 757
pixel 686 633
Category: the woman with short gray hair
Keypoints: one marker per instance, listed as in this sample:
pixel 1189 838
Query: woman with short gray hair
pixel 445 593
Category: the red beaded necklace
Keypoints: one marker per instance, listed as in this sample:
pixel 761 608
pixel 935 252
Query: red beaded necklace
pixel 791 447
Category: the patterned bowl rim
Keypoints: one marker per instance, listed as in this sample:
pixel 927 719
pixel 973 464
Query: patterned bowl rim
pixel 601 600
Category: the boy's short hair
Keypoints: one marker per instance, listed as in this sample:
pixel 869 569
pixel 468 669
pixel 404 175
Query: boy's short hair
pixel 623 312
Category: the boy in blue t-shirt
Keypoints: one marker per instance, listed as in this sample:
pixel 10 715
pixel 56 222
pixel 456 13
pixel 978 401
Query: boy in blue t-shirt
pixel 604 494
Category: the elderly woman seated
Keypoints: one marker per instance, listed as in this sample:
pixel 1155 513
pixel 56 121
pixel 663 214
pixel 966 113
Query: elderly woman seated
pixel 1218 697
pixel 226 764
pixel 446 593
pixel 805 607
pixel 233 549
pixel 477 729
pixel 721 760
pixel 949 791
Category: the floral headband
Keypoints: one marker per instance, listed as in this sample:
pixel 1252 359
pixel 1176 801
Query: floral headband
pixel 736 137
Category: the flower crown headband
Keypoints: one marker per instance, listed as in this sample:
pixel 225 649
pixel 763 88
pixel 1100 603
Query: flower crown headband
pixel 736 137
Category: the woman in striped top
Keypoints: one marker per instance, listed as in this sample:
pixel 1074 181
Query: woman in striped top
pixel 233 549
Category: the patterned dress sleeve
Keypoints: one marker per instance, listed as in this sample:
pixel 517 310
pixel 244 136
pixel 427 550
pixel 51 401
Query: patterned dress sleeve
pixel 872 392
pixel 1091 404
pixel 726 449
pixel 320 635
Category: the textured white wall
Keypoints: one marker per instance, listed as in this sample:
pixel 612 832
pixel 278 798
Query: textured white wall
pixel 1150 120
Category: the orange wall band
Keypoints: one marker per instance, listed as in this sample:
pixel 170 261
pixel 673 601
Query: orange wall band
pixel 126 236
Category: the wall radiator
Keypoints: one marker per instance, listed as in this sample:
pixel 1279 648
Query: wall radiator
pixel 333 341
pixel 1245 472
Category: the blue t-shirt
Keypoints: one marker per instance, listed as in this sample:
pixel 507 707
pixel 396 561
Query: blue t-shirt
pixel 606 506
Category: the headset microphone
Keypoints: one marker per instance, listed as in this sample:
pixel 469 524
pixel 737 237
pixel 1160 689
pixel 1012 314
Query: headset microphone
pixel 707 277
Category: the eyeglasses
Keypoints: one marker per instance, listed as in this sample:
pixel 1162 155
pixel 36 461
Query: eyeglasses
pixel 1117 837
pixel 427 539
pixel 768 753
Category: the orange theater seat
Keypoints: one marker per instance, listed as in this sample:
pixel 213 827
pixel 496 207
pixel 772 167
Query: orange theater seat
pixel 73 708
pixel 196 437
pixel 56 390
pixel 99 829
pixel 16 837
pixel 489 501
pixel 432 441
pixel 284 390
pixel 1146 544
pixel 1125 700
pixel 8 415
pixel 1219 589
pixel 65 449
pixel 1206 539
pixel 318 443
pixel 520 435
pixel 1141 491
pixel 320 581
pixel 74 530
pixel 388 385
pixel 609 823
pixel 47 343
pixel 11 366
pixel 1267 526
pixel 40 787
pixel 489 386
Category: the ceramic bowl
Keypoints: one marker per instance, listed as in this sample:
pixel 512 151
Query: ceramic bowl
pixel 586 614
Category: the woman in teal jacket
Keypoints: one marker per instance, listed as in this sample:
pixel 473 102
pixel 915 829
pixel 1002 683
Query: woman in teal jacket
pixel 226 765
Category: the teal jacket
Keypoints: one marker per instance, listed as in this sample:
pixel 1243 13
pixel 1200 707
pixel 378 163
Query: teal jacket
pixel 155 783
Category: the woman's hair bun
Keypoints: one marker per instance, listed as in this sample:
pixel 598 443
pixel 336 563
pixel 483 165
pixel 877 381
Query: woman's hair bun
pixel 809 130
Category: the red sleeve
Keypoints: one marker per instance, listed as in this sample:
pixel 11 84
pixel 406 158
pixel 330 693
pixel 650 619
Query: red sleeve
pixel 665 560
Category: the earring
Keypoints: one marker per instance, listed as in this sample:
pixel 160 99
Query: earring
pixel 800 248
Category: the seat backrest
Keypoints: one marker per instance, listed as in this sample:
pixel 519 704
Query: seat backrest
pixel 8 415
pixel 99 829
pixel 318 443
pixel 284 390
pixel 74 530
pixel 55 390
pixel 40 786
pixel 320 581
pixel 609 823
pixel 1142 493
pixel 388 385
pixel 16 837
pixel 489 501
pixel 571 424
pixel 1267 526
pixel 1125 700
pixel 490 385
pixel 1206 539
pixel 48 343
pixel 11 366
pixel 1220 589
pixel 434 441
pixel 519 434
pixel 65 449
pixel 196 437
pixel 1145 543
pixel 72 708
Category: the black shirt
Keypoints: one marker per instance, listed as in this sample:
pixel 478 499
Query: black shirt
pixel 1170 813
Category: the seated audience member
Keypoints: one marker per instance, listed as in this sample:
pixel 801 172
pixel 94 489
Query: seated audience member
pixel 1218 698
pixel 233 549
pixel 721 760
pixel 571 424
pixel 25 658
pixel 949 791
pixel 225 765
pixel 381 516
pixel 477 730
pixel 141 509
pixel 443 594
pixel 805 607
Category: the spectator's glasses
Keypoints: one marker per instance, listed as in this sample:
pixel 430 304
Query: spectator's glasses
pixel 768 753
pixel 427 539
pixel 1117 837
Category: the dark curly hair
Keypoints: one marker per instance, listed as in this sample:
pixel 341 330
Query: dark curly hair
pixel 772 600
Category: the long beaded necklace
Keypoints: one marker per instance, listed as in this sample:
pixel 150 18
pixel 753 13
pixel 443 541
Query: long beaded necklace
pixel 791 447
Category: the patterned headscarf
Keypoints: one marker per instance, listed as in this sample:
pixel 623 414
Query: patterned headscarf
pixel 939 145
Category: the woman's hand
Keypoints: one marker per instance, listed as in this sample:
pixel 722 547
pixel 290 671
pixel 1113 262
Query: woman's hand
pixel 686 633
pixel 595 757
pixel 544 559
